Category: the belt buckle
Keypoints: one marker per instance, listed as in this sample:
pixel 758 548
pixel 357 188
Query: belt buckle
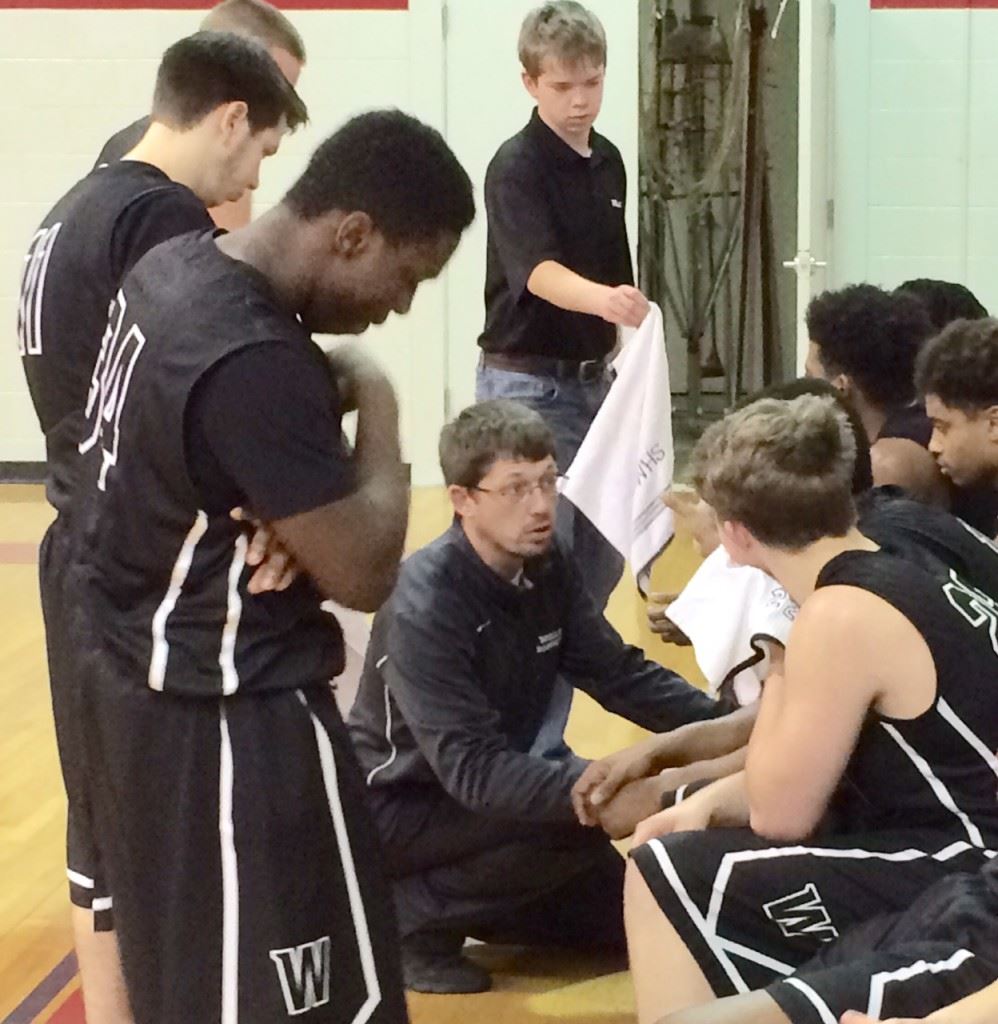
pixel 591 370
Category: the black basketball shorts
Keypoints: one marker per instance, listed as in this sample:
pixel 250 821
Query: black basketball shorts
pixel 246 874
pixel 752 911
pixel 87 885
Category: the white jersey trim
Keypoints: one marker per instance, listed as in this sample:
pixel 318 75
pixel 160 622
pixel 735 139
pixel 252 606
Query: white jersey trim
pixel 942 794
pixel 160 645
pixel 234 611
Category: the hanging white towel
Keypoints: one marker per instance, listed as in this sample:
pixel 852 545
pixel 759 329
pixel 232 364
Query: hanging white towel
pixel 626 460
pixel 732 613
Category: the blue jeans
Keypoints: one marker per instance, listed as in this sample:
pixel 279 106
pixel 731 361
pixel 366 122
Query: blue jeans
pixel 568 407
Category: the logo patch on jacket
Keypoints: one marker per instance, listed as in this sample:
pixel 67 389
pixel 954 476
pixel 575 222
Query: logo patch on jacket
pixel 548 641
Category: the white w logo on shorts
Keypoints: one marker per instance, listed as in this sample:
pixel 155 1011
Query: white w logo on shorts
pixel 802 914
pixel 29 309
pixel 304 974
pixel 109 385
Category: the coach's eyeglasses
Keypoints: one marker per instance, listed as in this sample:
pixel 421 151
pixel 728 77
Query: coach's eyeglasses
pixel 521 490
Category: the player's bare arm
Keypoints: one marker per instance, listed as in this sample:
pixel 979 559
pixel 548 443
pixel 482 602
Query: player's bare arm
pixel 810 717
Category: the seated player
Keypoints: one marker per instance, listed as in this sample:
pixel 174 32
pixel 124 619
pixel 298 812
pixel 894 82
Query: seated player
pixel 957 373
pixel 477 826
pixel 864 340
pixel 870 772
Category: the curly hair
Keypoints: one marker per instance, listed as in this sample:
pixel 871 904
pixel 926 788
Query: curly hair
pixel 783 469
pixel 945 301
pixel 960 367
pixel 874 337
pixel 394 168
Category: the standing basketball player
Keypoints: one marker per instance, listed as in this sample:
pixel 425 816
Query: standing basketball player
pixel 245 871
pixel 220 105
pixel 253 19
pixel 870 772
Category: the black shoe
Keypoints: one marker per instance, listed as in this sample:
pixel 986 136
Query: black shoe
pixel 434 963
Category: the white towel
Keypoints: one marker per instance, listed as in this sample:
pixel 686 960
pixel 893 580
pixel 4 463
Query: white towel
pixel 732 613
pixel 625 462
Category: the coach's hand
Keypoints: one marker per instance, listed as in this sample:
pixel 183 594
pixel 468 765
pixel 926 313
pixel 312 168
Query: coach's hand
pixel 275 568
pixel 624 305
pixel 660 623
pixel 722 804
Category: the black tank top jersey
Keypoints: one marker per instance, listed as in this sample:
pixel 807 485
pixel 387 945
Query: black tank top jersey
pixel 929 536
pixel 161 583
pixel 123 141
pixel 73 268
pixel 938 771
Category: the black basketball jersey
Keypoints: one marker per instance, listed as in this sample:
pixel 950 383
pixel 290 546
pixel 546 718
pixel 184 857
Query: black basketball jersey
pixel 929 536
pixel 162 581
pixel 939 770
pixel 74 266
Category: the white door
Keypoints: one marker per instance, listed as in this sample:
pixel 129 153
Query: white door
pixel 815 211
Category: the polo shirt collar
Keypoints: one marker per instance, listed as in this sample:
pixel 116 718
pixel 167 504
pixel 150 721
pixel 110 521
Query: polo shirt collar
pixel 557 149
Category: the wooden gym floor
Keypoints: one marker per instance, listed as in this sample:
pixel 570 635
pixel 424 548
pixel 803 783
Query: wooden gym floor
pixel 38 983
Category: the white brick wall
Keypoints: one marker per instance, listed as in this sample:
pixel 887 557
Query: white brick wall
pixel 916 146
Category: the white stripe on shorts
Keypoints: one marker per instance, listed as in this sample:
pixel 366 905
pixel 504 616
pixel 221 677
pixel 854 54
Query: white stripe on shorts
pixel 358 913
pixel 879 981
pixel 230 876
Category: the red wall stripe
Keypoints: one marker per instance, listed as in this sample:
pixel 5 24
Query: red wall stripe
pixel 935 5
pixel 189 5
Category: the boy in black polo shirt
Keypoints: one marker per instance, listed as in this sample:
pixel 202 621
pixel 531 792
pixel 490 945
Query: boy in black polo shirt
pixel 558 279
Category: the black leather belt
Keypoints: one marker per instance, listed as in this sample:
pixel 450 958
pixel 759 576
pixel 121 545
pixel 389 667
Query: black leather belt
pixel 543 366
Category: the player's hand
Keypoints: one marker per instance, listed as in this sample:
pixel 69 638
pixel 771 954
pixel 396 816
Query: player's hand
pixel 632 804
pixel 602 779
pixel 275 568
pixel 691 815
pixel 357 375
pixel 696 516
pixel 624 305
pixel 661 624
pixel 723 803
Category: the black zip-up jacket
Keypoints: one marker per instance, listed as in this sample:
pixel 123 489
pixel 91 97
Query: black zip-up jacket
pixel 459 675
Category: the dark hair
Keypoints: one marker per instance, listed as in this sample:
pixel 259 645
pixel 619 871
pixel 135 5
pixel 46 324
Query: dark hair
pixel 862 473
pixel 873 336
pixel 259 20
pixel 488 431
pixel 208 69
pixel 394 168
pixel 960 367
pixel 945 301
